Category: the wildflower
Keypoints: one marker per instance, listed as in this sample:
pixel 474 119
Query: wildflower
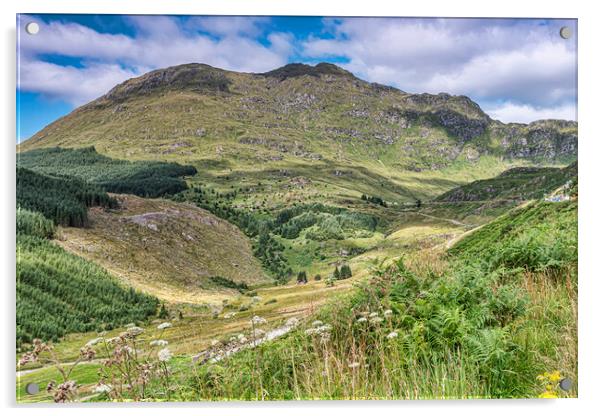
pixel 103 388
pixel 28 357
pixel 164 355
pixel 164 325
pixel 65 391
pixel 258 320
pixel 376 320
pixel 158 343
pixel 230 315
pixel 128 349
pixel 93 342
pixel 388 313
pixel 364 313
pixel 316 323
pixel 354 364
pixel 373 315
pixel 292 322
pixel 310 331
pixel 548 394
pixel 392 335
pixel 87 353
pixel 50 386
pixel 362 319
pixel 135 331
pixel 324 328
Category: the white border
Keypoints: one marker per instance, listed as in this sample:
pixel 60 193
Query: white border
pixel 590 108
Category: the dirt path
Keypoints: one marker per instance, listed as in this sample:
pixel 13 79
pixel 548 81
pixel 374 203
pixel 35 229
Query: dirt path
pixel 220 354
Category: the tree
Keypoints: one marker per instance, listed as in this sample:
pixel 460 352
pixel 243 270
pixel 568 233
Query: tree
pixel 302 277
pixel 163 312
pixel 345 272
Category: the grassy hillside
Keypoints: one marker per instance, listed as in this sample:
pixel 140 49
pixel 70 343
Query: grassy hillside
pixel 169 249
pixel 59 293
pixel 518 184
pixel 150 179
pixel 538 235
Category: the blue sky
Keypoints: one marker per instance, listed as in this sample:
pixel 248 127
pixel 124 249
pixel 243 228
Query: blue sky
pixel 516 69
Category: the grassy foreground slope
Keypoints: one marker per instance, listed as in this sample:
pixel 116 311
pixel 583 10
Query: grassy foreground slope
pixel 166 248
pixel 430 327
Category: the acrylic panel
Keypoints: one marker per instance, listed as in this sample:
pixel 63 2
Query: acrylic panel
pixel 295 208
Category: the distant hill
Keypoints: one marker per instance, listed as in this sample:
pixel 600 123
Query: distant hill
pixel 172 250
pixel 517 184
pixel 319 123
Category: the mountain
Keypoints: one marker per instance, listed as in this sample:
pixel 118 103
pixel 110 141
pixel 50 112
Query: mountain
pixel 318 123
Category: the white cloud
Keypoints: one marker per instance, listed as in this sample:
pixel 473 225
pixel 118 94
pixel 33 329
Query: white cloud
pixel 523 113
pixel 73 85
pixel 160 41
pixel 523 61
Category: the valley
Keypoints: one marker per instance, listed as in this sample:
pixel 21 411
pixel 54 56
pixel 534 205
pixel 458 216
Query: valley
pixel 229 201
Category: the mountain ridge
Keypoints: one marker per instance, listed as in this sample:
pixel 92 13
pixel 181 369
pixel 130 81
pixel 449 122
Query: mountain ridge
pixel 301 116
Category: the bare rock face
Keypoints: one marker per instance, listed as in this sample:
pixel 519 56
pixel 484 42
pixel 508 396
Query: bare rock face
pixel 545 139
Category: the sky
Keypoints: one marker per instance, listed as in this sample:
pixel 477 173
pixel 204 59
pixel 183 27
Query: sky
pixel 517 70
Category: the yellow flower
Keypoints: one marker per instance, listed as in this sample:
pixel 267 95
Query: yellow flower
pixel 554 377
pixel 548 395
